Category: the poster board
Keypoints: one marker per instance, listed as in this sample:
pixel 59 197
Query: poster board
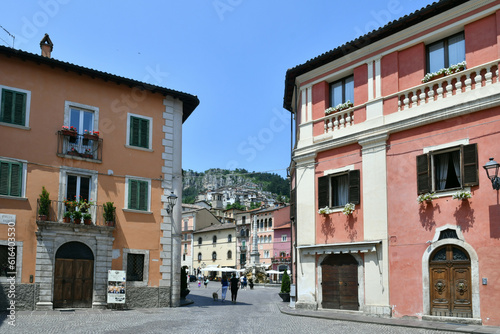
pixel 116 286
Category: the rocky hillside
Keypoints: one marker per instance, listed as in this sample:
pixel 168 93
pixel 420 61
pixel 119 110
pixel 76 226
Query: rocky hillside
pixel 215 178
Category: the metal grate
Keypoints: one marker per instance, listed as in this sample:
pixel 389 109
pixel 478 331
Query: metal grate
pixel 135 267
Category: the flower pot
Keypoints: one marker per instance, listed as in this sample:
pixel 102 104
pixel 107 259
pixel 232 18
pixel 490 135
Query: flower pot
pixel 77 221
pixel 110 223
pixel 88 156
pixel 69 133
pixel 90 137
pixel 285 296
pixel 87 221
pixel 67 219
pixel 74 153
pixel 42 217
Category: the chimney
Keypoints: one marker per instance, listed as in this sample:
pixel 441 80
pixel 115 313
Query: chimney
pixel 46 46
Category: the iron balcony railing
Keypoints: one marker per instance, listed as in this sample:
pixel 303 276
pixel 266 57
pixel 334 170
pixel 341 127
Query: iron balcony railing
pixel 71 144
pixel 58 210
pixel 281 259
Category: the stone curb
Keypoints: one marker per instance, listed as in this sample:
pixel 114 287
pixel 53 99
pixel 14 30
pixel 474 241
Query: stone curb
pixel 431 325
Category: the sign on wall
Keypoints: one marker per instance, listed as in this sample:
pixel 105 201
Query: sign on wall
pixel 116 286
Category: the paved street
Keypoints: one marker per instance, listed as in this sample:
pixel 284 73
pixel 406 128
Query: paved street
pixel 257 311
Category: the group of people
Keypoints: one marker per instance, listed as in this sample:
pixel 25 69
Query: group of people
pixel 204 280
pixel 233 284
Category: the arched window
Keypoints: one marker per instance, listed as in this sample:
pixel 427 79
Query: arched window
pixel 214 239
pixel 214 256
pixel 243 232
pixel 265 224
pixel 261 239
pixel 229 238
pixel 262 224
pixel 199 256
pixel 282 254
pixel 270 222
pixel 200 240
pixel 269 238
pixel 229 255
pixel 265 238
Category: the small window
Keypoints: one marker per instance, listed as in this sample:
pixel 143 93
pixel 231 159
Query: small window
pixel 11 178
pixel 282 254
pixel 446 52
pixel 339 189
pixel 138 195
pixel 78 187
pixel 229 238
pixel 200 240
pixel 229 255
pixel 283 237
pixel 214 239
pixel 214 256
pixel 270 222
pixel 13 107
pixel 265 239
pixel 135 267
pixel 342 91
pixel 243 219
pixel 140 131
pixel 448 169
pixel 199 256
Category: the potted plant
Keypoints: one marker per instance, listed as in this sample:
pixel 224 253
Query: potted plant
pixel 67 216
pixel 462 195
pixel 324 211
pixel 69 131
pixel 90 135
pixel 43 210
pixel 87 218
pixel 348 209
pixel 285 287
pixel 427 197
pixel 109 213
pixel 77 217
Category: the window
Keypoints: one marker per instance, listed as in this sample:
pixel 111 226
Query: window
pixel 11 178
pixel 342 91
pixel 138 194
pixel 243 233
pixel 265 239
pixel 283 237
pixel 140 131
pixel 214 239
pixel 270 222
pixel 78 187
pixel 214 256
pixel 229 238
pixel 185 225
pixel 185 248
pixel 135 267
pixel 229 255
pixel 339 189
pixel 8 263
pixel 447 169
pixel 14 108
pixel 199 256
pixel 266 254
pixel 243 219
pixel 446 52
pixel 200 240
pixel 282 254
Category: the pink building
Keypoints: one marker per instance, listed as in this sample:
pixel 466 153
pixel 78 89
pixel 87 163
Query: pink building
pixel 407 112
pixel 282 241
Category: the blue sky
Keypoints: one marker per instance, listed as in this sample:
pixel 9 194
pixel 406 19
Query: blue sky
pixel 232 54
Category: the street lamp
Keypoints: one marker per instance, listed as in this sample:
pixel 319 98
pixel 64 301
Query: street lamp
pixel 171 200
pixel 491 168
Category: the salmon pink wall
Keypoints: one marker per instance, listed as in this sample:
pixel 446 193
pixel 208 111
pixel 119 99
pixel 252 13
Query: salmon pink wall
pixel 320 99
pixel 412 68
pixel 337 227
pixel 481 41
pixel 360 85
pixel 411 224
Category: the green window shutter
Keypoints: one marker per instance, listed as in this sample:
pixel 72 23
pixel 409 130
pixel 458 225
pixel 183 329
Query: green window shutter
pixel 323 191
pixel 423 174
pixel 13 108
pixel 144 133
pixel 11 178
pixel 470 176
pixel 132 194
pixel 138 195
pixel 354 186
pixel 143 195
pixel 134 131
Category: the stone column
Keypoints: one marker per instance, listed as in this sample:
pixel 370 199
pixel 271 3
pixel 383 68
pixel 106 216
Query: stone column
pixel 45 269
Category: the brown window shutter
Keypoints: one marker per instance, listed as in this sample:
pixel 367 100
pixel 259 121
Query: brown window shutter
pixel 323 191
pixel 354 186
pixel 293 204
pixel 423 174
pixel 470 169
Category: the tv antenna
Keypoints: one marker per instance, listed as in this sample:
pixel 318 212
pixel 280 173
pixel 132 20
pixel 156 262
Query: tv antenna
pixel 8 33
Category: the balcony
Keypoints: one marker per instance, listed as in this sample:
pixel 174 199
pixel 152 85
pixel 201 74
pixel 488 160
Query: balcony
pixel 81 147
pixel 57 211
pixel 281 260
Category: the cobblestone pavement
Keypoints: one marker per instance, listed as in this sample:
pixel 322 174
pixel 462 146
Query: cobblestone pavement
pixel 257 311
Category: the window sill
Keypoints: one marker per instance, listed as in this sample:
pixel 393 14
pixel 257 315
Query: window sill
pixel 67 156
pixel 139 148
pixel 449 193
pixel 137 211
pixel 14 198
pixel 21 127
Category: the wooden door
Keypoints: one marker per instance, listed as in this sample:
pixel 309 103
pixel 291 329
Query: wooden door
pixel 340 282
pixel 450 280
pixel 73 283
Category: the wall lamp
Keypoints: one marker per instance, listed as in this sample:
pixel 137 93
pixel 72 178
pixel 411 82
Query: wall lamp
pixel 171 200
pixel 491 168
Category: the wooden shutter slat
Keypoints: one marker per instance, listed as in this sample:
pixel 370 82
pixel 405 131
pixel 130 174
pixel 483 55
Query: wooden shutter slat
pixel 4 178
pixel 354 186
pixel 7 98
pixel 144 133
pixel 15 180
pixel 323 191
pixel 134 131
pixel 470 174
pixel 423 175
pixel 19 108
pixel 143 195
pixel 132 194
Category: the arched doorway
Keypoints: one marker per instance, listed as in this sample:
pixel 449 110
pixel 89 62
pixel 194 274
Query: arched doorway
pixel 73 275
pixel 340 282
pixel 450 282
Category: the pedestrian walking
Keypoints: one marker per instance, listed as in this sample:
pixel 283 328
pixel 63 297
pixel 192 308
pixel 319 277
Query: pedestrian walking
pixel 225 284
pixel 199 283
pixel 235 282
pixel 206 282
pixel 244 282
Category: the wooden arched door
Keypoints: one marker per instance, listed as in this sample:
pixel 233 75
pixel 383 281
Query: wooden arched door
pixel 450 282
pixel 339 284
pixel 73 276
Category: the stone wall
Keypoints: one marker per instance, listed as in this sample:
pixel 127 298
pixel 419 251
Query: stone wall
pixel 25 296
pixel 147 297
